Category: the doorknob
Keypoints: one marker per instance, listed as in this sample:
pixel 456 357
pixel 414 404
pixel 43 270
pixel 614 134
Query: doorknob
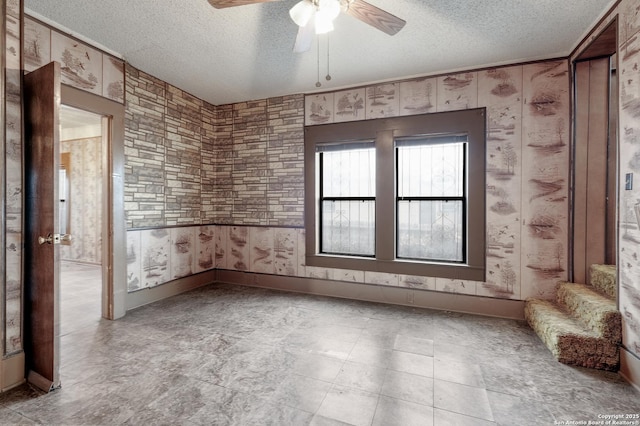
pixel 54 239
pixel 48 239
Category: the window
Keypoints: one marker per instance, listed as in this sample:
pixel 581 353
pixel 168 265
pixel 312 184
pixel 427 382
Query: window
pixel 431 198
pixel 347 199
pixel 402 195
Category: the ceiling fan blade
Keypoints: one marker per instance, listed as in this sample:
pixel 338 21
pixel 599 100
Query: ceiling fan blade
pixel 304 37
pixel 221 4
pixel 376 17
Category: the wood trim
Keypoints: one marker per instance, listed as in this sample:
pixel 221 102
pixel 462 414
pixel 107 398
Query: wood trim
pixel 472 122
pixel 41 383
pixel 611 249
pixel 11 371
pixel 3 216
pixel 114 274
pixel 630 368
pixel 578 51
pixel 149 295
pixel 604 44
pixel 597 161
pixel 580 153
pixel 477 305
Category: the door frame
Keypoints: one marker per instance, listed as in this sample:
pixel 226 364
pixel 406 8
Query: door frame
pixel 603 46
pixel 114 272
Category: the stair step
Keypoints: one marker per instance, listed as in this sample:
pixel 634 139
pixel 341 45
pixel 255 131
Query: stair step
pixel 568 340
pixel 592 309
pixel 603 279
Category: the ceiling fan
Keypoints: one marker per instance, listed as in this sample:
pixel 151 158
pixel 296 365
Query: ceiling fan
pixel 316 16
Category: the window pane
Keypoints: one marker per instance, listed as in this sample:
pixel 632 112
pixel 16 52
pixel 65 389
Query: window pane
pixel 430 230
pixel 349 173
pixel 431 170
pixel 348 227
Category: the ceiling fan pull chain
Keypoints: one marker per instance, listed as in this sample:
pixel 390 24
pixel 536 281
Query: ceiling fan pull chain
pixel 328 77
pixel 318 84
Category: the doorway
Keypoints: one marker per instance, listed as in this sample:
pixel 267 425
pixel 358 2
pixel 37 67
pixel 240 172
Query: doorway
pixel 81 183
pixel 595 155
pixel 114 288
pixel 43 97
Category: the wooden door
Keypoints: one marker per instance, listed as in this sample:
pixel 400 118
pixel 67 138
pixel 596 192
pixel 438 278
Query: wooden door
pixel 42 267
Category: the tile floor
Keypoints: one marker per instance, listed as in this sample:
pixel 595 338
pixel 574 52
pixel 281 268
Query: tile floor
pixel 231 355
pixel 80 293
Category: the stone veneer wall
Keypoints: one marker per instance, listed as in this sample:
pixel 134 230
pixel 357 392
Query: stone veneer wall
pixel 168 154
pixel 188 162
pixel 253 180
pixel 259 162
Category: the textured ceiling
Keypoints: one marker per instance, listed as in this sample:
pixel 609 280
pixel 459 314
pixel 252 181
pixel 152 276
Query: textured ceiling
pixel 244 53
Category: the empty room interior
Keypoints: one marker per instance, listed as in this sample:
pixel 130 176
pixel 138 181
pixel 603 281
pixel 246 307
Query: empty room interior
pixel 320 212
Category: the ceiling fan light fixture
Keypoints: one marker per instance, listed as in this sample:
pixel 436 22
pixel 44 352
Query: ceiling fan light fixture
pixel 323 21
pixel 330 7
pixel 326 12
pixel 302 12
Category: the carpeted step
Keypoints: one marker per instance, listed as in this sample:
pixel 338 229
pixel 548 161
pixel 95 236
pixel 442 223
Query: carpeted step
pixel 603 279
pixel 597 312
pixel 568 340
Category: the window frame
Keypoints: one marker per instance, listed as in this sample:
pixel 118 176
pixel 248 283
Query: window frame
pixel 322 197
pixel 384 132
pixel 463 198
